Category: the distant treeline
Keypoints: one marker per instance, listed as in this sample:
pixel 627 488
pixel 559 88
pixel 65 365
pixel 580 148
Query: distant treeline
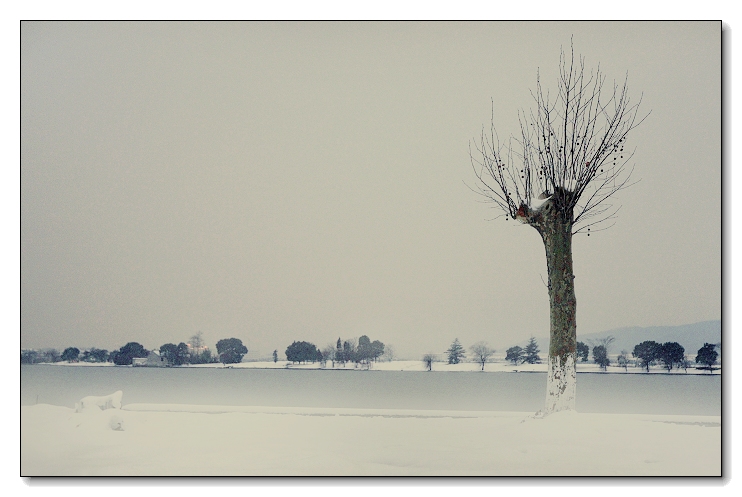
pixel 363 351
pixel 192 352
pixel 229 351
pixel 649 353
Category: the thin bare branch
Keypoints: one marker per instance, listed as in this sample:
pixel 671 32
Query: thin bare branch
pixel 575 142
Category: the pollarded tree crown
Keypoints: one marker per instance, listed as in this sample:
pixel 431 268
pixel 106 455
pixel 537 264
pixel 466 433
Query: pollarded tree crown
pixel 575 143
pixel 547 211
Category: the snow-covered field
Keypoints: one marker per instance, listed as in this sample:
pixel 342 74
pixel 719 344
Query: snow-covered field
pixel 153 439
pixel 176 439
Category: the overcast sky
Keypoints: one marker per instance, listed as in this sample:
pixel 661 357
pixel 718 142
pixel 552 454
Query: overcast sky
pixel 307 181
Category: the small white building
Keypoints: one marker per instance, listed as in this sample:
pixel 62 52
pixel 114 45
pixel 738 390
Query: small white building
pixel 153 360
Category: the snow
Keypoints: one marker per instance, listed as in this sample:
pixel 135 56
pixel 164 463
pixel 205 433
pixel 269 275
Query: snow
pixel 112 401
pixel 561 384
pixel 536 202
pixel 176 439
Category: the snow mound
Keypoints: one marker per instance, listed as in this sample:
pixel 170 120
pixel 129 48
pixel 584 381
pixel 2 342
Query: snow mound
pixel 103 402
pixel 116 423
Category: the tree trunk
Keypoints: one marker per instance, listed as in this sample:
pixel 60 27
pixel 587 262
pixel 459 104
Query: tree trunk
pixel 553 220
pixel 561 382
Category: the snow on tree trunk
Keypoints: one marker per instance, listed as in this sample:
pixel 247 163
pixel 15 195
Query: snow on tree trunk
pixel 561 383
pixel 554 224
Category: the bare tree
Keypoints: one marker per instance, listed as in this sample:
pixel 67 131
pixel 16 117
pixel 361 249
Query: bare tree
pixel 428 360
pixel 685 364
pixel 556 176
pixel 623 360
pixel 328 354
pixel 197 349
pixel 481 352
pixel 606 342
pixel 389 352
pixel 197 340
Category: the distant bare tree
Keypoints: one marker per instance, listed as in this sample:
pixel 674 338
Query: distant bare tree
pixel 481 352
pixel 197 340
pixel 49 355
pixel 389 353
pixel 328 354
pixel 623 360
pixel 428 360
pixel 196 350
pixel 606 342
pixel 556 176
pixel 685 364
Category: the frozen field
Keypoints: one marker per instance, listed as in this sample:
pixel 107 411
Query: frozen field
pixel 177 439
pixel 677 394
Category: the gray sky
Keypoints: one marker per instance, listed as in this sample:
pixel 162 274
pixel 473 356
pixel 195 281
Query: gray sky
pixel 308 181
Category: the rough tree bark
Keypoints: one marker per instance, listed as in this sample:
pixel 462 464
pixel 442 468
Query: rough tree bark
pixel 553 220
pixel 568 159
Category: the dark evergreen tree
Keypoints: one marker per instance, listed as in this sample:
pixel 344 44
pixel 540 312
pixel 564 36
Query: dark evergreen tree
pixel 126 354
pixel 302 352
pixel 71 354
pixel 29 357
pixel 230 350
pixel 600 356
pixel 455 352
pixel 176 355
pixel 530 352
pixel 583 351
pixel 707 355
pixel 514 355
pixel 339 352
pixel 349 351
pixel 364 351
pixel 671 354
pixel 275 356
pixel 183 355
pixel 377 349
pixel 647 352
pixel 169 352
pixel 94 355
